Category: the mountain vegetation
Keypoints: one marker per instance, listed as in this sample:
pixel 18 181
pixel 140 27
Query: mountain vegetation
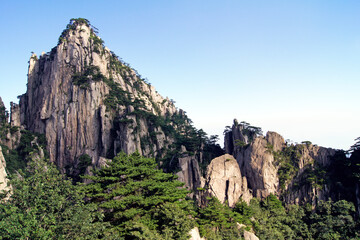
pixel 131 199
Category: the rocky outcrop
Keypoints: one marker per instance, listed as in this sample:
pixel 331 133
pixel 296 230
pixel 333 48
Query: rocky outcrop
pixel 225 182
pixel 260 159
pixel 248 235
pixel 195 235
pixel 15 115
pixel 238 135
pixel 3 174
pixel 86 101
pixel 310 158
pixel 257 164
pixel 190 172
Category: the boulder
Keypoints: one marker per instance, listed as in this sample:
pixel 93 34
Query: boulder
pixel 225 182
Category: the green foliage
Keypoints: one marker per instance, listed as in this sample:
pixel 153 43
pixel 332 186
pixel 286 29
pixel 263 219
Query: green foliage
pixel 90 73
pixel 80 21
pixel 287 161
pixel 29 143
pixel 83 163
pixel 4 115
pixel 356 145
pixel 13 160
pixel 117 96
pixel 248 130
pixel 4 125
pixel 43 205
pixel 307 143
pixel 137 198
pixel 334 220
pixel 343 175
pixel 74 22
pixel 315 175
pixel 97 43
pixel 271 220
pixel 218 221
pixel 240 143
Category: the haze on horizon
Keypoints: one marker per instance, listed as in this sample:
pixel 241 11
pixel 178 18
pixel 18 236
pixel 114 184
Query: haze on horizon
pixel 290 67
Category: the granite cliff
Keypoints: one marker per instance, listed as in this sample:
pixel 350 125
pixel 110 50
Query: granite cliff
pixel 270 165
pixel 90 105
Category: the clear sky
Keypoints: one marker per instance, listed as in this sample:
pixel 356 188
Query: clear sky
pixel 287 66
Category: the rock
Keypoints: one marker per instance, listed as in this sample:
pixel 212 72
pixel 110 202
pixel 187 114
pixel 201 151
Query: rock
pixel 190 173
pixel 225 182
pixel 3 113
pixel 75 118
pixel 254 158
pixel 247 234
pixel 14 115
pixel 195 235
pixel 309 155
pixel 238 135
pixel 275 140
pixel 257 165
pixel 250 236
pixel 3 175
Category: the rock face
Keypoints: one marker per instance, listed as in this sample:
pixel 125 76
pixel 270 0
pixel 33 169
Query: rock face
pixel 3 174
pixel 260 159
pixel 257 164
pixel 86 101
pixel 190 172
pixel 15 115
pixel 225 182
pixel 309 155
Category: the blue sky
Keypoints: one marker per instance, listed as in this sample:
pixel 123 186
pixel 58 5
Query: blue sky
pixel 288 66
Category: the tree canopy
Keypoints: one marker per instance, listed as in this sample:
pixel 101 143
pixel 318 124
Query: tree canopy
pixel 44 205
pixel 139 200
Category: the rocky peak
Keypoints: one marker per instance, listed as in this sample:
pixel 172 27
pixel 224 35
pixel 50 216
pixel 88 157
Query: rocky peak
pixel 88 102
pixel 239 135
pixel 275 140
pixel 14 115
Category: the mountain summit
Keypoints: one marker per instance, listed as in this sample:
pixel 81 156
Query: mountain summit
pixel 92 105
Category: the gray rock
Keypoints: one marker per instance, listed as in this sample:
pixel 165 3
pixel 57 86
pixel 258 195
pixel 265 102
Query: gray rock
pixel 195 235
pixel 14 115
pixel 225 182
pixel 190 173
pixel 75 119
pixel 3 175
pixel 257 164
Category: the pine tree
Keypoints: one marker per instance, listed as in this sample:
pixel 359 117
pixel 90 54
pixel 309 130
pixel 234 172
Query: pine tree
pixel 139 200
